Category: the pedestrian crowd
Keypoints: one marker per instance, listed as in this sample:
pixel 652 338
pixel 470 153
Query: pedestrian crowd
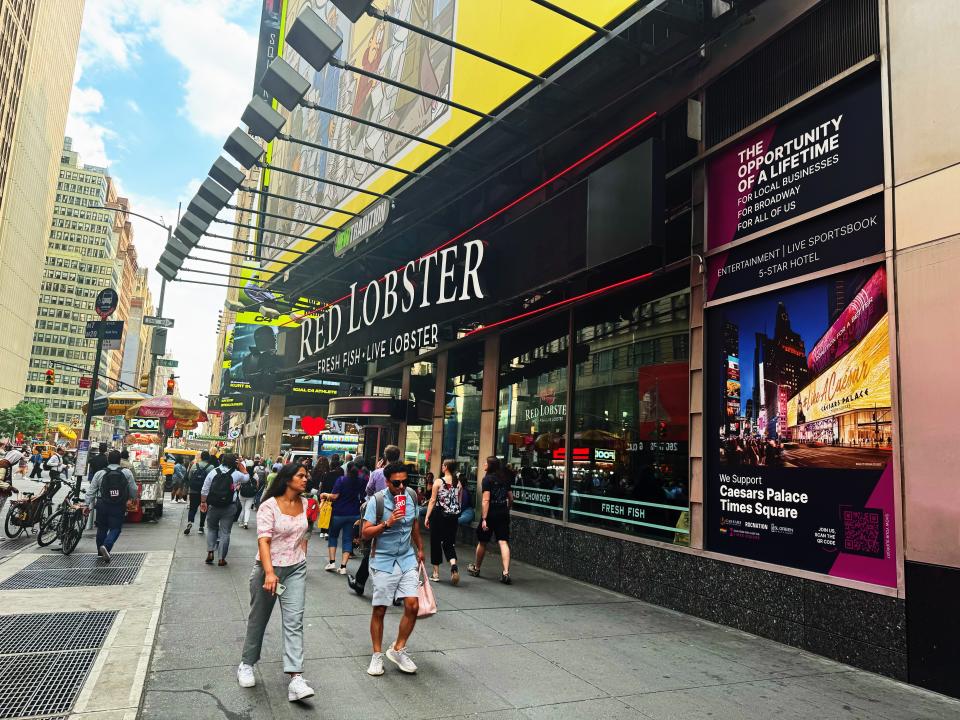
pixel 365 511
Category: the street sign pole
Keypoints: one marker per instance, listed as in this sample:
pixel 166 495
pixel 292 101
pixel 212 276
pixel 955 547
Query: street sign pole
pixel 101 327
pixel 105 304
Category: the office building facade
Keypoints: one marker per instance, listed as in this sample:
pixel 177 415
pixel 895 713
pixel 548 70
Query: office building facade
pixel 38 47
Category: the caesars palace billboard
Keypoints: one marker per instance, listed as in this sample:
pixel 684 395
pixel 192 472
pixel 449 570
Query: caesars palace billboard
pixel 521 33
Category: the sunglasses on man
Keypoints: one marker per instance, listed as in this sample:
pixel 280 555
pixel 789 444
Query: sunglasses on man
pixel 397 483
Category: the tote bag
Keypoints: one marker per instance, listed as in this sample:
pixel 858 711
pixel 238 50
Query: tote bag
pixel 428 602
pixel 326 513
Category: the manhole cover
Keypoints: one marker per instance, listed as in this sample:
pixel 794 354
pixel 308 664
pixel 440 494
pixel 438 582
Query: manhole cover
pixel 28 579
pixel 54 632
pixel 42 684
pixel 86 560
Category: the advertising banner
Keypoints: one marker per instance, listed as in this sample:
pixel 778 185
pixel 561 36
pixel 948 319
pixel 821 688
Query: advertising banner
pixel 823 151
pixel 849 233
pixel 804 477
pixel 520 33
pixel 270 16
pixel 227 403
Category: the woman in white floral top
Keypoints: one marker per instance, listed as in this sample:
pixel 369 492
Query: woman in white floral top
pixel 280 571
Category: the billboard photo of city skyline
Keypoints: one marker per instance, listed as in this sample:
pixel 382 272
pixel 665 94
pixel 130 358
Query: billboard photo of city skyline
pixel 803 375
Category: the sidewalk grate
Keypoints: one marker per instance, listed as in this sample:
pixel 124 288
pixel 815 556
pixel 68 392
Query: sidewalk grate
pixel 78 577
pixel 54 632
pixel 86 560
pixel 8 546
pixel 42 684
pixel 85 570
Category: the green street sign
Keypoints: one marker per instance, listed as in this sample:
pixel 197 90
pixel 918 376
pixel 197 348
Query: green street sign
pixel 163 362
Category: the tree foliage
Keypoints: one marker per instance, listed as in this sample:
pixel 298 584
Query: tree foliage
pixel 25 417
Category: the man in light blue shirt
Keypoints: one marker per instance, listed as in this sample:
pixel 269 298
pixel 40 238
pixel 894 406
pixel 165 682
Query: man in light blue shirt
pixel 394 565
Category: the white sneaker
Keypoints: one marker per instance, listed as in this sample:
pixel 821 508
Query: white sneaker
pixel 298 689
pixel 245 675
pixel 376 665
pixel 401 660
pixel 342 570
pixel 104 553
pixel 330 567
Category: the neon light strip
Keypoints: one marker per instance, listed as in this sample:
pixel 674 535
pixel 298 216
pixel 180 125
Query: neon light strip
pixel 561 303
pixel 513 203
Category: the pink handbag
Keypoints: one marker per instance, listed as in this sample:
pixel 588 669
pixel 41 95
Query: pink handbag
pixel 428 602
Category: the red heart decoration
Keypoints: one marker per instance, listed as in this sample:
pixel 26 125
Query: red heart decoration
pixel 313 425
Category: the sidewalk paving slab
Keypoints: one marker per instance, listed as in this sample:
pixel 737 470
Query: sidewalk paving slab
pixel 545 647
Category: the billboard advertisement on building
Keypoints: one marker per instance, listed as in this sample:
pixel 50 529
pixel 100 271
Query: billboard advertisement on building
pixel 524 34
pixel 270 23
pixel 825 150
pixel 850 233
pixel 810 484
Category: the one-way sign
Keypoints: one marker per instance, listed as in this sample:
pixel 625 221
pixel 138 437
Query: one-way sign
pixel 155 321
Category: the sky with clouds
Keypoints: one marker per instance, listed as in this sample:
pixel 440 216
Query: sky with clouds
pixel 157 89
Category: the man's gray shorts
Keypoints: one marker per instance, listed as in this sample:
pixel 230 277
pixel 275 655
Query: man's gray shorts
pixel 394 584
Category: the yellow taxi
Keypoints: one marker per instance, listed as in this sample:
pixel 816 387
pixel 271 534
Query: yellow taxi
pixel 171 455
pixel 45 450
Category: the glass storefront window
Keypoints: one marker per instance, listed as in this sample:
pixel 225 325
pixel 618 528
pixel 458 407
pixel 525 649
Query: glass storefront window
pixel 461 412
pixel 532 414
pixel 630 416
pixel 388 385
pixel 423 390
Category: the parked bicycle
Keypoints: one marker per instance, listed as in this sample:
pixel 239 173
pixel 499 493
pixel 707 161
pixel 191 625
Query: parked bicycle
pixel 67 523
pixel 30 509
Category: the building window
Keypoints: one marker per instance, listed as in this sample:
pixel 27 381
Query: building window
pixel 532 413
pixel 461 411
pixel 423 391
pixel 630 409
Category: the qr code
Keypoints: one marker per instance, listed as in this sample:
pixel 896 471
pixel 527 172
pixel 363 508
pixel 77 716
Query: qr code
pixel 862 532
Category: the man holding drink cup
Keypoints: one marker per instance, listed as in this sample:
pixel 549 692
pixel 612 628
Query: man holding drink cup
pixel 390 525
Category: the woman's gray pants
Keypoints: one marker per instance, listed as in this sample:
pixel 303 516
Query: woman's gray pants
pixel 294 577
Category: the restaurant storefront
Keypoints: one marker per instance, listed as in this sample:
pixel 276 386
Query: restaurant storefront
pixel 675 325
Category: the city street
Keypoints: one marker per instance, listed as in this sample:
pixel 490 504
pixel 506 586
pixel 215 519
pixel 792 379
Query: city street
pixel 546 647
pixel 602 282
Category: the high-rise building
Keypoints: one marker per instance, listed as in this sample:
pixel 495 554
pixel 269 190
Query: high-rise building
pixel 81 261
pixel 125 273
pixel 136 343
pixel 38 48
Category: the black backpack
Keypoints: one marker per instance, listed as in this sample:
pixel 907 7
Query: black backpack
pixel 248 487
pixel 221 489
pixel 197 476
pixel 114 488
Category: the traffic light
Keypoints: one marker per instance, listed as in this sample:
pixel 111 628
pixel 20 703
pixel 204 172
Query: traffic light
pixel 171 384
pixel 145 383
pixel 51 376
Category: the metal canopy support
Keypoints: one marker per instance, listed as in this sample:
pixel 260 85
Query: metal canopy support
pixel 325 148
pixel 269 247
pixel 376 126
pixel 412 90
pixel 265 193
pixel 277 232
pixel 380 14
pixel 281 217
pixel 287 171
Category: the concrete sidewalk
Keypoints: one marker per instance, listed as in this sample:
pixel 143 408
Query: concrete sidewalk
pixel 545 647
